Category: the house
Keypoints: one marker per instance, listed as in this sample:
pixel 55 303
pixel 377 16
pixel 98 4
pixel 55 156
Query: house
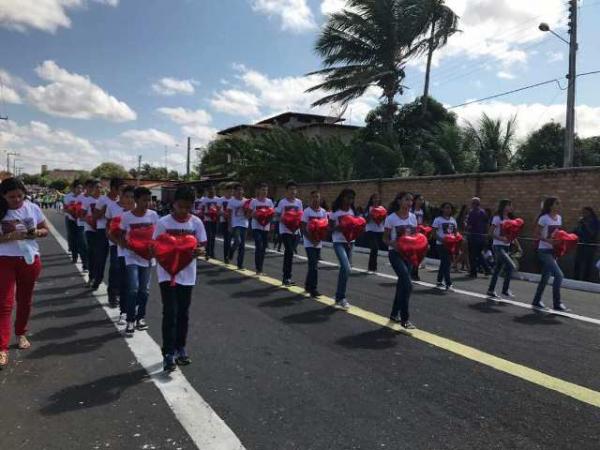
pixel 60 174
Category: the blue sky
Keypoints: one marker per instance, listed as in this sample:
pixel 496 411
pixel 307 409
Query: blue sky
pixel 84 81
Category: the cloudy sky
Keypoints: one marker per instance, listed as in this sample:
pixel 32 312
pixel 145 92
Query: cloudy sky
pixel 86 81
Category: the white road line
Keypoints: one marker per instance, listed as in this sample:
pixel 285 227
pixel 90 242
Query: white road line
pixel 206 429
pixel 457 291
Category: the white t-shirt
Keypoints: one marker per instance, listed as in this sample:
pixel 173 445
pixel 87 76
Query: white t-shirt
pixel 420 215
pixel 260 204
pixel 498 232
pixel 103 201
pixel 238 213
pixel 27 217
pixel 311 214
pixel 114 210
pixel 399 227
pixel 549 226
pixel 223 203
pixel 372 225
pixel 444 226
pixel 194 226
pixel 83 199
pixel 205 204
pixel 89 207
pixel 197 208
pixel 69 198
pixel 334 217
pixel 286 205
pixel 129 221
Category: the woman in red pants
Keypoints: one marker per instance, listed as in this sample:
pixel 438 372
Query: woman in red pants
pixel 21 222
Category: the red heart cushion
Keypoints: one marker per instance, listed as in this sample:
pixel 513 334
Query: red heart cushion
pixel 512 228
pixel 89 219
pixel 423 229
pixel 264 215
pixel 413 248
pixel 115 226
pixel 140 241
pixel 77 210
pixel 565 242
pixel 213 213
pixel 291 219
pixel 175 253
pixel 352 227
pixel 378 214
pixel 317 228
pixel 452 243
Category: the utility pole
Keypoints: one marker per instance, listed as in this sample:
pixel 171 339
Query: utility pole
pixel 189 150
pixel 139 164
pixel 8 155
pixel 572 77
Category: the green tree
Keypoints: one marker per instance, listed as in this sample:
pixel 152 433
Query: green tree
pixel 543 149
pixel 369 44
pixel 59 185
pixel 493 139
pixel 109 170
pixel 31 180
pixel 588 151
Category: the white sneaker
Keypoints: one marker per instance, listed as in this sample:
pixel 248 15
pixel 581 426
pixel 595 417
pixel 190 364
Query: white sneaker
pixel 122 319
pixel 343 304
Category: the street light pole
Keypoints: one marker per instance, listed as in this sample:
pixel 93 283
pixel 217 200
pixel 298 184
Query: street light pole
pixel 570 132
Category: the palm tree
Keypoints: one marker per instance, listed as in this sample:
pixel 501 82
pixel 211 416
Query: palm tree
pixel 368 44
pixel 444 23
pixel 494 141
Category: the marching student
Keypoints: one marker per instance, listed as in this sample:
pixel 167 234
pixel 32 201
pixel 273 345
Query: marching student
pixel 224 222
pixel 444 225
pixel 238 224
pixel 501 246
pixel 21 223
pixel 91 233
pixel 288 237
pixel 176 298
pixel 312 245
pixel 342 206
pixel 548 222
pixel 117 276
pixel 80 230
pixel 70 221
pixel 418 209
pixel 399 222
pixel 260 232
pixel 102 244
pixel 374 232
pixel 210 223
pixel 138 269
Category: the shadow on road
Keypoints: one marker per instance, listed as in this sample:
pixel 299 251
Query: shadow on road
pixel 314 316
pixel 73 347
pixel 380 339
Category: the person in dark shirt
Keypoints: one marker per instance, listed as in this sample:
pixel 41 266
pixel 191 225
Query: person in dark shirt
pixel 476 228
pixel 588 229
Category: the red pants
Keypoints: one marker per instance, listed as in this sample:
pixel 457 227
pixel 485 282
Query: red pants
pixel 16 275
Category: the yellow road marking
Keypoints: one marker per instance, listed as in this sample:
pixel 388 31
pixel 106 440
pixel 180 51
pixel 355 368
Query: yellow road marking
pixel 573 390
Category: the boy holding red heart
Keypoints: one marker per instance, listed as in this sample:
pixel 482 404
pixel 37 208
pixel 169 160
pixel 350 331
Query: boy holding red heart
pixel 238 224
pixel 289 211
pixel 444 225
pixel 314 229
pixel 209 211
pixel 261 211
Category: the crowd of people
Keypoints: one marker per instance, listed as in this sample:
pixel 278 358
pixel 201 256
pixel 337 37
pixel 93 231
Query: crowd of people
pixel 123 228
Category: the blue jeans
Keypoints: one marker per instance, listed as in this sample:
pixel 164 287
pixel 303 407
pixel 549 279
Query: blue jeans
pixel 114 274
pixel 445 264
pixel 70 226
pixel 123 290
pixel 81 247
pixel 90 240
pixel 138 285
pixel 549 267
pixel 403 286
pixel 288 241
pixel 503 260
pixel 211 234
pixel 100 255
pixel 226 240
pixel 312 276
pixel 239 245
pixel 261 240
pixel 344 255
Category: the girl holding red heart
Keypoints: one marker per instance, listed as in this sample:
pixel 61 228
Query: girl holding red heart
pixel 238 224
pixel 444 225
pixel 399 222
pixel 261 211
pixel 342 206
pixel 209 210
pixel 548 222
pixel 501 245
pixel 291 206
pixel 176 288
pixel 313 240
pixel 224 222
pixel 418 209
pixel 375 216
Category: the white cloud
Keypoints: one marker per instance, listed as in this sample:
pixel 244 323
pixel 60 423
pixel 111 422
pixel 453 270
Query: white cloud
pixel 184 116
pixel 506 75
pixel 295 15
pixel 236 103
pixel 532 116
pixel 332 6
pixel 555 56
pixel 75 96
pixel 172 86
pixel 45 15
pixel 200 134
pixel 150 137
pixel 8 89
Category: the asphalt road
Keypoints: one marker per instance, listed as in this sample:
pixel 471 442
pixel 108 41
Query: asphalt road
pixel 287 372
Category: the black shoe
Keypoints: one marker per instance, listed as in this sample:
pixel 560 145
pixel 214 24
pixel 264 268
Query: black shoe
pixel 169 363
pixel 395 319
pixel 130 329
pixel 538 305
pixel 288 283
pixel 113 302
pixel 493 295
pixel 562 308
pixel 182 358
pixel 95 286
pixel 314 293
pixel 226 260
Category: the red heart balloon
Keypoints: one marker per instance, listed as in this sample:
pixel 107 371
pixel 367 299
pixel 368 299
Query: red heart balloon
pixel 114 227
pixel 565 242
pixel 213 213
pixel 140 241
pixel 423 229
pixel 291 219
pixel 452 242
pixel 175 252
pixel 76 210
pixel 413 248
pixel 264 215
pixel 512 228
pixel 317 228
pixel 378 214
pixel 352 227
